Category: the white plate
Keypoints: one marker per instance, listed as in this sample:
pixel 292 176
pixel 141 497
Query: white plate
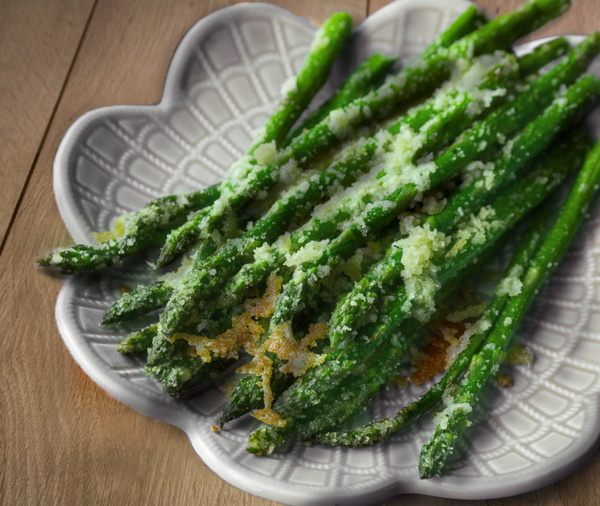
pixel 223 81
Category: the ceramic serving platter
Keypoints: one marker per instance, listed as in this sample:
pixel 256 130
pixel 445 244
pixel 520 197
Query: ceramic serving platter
pixel 224 80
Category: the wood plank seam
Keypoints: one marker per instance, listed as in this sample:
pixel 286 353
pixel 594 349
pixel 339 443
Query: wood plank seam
pixel 46 130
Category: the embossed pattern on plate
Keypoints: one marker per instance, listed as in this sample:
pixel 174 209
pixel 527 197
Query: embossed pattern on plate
pixel 223 81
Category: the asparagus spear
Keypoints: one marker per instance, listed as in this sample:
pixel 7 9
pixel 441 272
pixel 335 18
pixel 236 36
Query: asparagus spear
pixel 248 394
pixel 138 342
pixel 135 232
pixel 254 273
pixel 142 227
pixel 427 73
pixel 171 363
pixel 299 91
pixel 349 397
pixel 323 226
pixel 344 401
pixel 532 141
pixel 82 257
pixel 296 202
pixel 138 302
pixel 566 73
pixel 543 54
pixel 361 81
pixel 372 70
pixel 455 420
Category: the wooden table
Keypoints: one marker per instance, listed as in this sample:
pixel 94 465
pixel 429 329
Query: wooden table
pixel 64 440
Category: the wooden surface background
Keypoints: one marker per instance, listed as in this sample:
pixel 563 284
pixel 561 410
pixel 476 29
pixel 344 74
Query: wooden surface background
pixel 64 441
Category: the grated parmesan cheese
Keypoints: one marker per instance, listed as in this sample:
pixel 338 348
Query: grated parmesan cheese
pixel 419 273
pixel 308 253
pixel 265 153
pixel 511 284
pixel 289 87
pixel 519 354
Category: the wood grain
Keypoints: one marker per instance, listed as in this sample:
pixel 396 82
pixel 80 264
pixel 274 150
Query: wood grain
pixel 38 41
pixel 64 441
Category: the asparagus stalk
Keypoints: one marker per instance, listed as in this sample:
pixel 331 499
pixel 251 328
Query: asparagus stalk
pixel 351 396
pixel 543 54
pixel 364 78
pixel 137 343
pixel 350 92
pixel 565 72
pixel 533 140
pixel 344 401
pixel 135 232
pixel 138 302
pixel 248 394
pixel 171 363
pixel 427 73
pixel 298 93
pixel 86 258
pixel 216 268
pixel 141 228
pixel 529 64
pixel 255 272
pixel 371 71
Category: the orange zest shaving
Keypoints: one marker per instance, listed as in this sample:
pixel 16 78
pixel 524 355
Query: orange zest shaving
pixel 431 360
pixel 118 232
pixel 269 416
pixel 124 289
pixel 297 352
pixel 504 380
pixel 298 359
pixel 246 332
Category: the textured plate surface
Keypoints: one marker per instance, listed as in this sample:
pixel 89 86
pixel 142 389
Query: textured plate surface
pixel 223 81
